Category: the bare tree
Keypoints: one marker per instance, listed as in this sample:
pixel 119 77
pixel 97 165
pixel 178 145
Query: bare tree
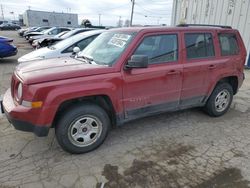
pixel 86 23
pixel 126 23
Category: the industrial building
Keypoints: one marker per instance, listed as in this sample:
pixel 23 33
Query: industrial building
pixel 41 18
pixel 235 13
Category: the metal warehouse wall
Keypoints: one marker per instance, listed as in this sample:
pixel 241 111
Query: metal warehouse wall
pixel 41 18
pixel 235 13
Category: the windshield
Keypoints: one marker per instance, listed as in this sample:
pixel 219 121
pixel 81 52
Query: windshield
pixel 67 35
pixel 69 41
pixel 107 47
pixel 60 35
pixel 48 30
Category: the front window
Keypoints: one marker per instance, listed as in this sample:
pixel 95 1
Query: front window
pixel 159 48
pixel 107 47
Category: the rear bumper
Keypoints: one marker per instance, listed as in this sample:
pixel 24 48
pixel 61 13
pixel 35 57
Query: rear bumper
pixel 10 110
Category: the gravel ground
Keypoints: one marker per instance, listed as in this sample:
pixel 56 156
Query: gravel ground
pixel 173 150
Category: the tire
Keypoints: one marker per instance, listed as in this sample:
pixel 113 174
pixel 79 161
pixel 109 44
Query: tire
pixel 82 128
pixel 220 100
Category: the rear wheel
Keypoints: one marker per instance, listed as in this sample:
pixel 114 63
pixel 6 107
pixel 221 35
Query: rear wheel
pixel 82 128
pixel 220 100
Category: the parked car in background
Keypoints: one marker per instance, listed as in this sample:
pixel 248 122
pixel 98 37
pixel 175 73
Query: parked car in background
pixel 22 30
pixel 48 41
pixel 63 48
pixel 35 43
pixel 38 29
pixel 3 21
pixel 7 48
pixel 49 32
pixel 9 26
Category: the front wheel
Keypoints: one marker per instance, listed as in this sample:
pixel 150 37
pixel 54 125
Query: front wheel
pixel 82 128
pixel 220 100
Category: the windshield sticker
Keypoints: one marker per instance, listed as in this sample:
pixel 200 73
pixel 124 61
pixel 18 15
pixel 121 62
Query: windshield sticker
pixel 122 36
pixel 119 40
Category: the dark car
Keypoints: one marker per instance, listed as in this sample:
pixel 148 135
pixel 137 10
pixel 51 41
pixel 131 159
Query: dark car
pixel 48 41
pixel 7 49
pixel 9 26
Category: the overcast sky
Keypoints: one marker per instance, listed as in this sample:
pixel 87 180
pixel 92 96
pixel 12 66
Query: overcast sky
pixel 148 12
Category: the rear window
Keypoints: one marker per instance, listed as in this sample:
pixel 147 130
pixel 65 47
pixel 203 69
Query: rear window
pixel 228 44
pixel 199 45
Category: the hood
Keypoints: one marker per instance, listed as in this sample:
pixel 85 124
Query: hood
pixel 57 69
pixel 37 54
pixel 35 37
pixel 35 33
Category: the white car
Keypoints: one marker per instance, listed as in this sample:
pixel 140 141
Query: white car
pixel 65 48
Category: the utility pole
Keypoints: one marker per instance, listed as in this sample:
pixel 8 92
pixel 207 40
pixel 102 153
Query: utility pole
pixel 132 13
pixel 2 11
pixel 120 22
pixel 100 19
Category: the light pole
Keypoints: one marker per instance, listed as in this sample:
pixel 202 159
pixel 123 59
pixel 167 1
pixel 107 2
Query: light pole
pixel 2 11
pixel 158 20
pixel 13 15
pixel 100 19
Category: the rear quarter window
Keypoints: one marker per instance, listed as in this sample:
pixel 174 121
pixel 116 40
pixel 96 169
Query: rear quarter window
pixel 228 44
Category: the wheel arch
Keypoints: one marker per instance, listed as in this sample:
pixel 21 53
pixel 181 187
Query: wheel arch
pixel 232 80
pixel 103 101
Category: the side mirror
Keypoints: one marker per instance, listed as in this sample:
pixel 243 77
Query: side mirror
pixel 137 61
pixel 76 50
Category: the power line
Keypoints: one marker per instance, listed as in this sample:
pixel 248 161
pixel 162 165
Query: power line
pixel 150 10
pixel 112 8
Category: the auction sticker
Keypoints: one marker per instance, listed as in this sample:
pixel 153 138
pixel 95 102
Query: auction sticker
pixel 119 40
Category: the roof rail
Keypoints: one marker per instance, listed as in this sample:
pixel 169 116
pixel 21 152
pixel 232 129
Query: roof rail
pixel 206 25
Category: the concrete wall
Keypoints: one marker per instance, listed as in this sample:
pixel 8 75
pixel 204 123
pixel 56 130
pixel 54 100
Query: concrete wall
pixel 235 13
pixel 40 18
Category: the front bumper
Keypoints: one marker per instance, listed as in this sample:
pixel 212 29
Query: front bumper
pixel 9 54
pixel 10 110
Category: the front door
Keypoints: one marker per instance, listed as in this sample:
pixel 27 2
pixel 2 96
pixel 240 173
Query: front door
pixel 158 87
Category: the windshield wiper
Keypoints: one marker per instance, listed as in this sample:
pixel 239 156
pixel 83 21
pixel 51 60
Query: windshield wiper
pixel 51 47
pixel 88 59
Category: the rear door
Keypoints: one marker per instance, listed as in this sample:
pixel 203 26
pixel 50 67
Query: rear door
pixel 199 60
pixel 158 87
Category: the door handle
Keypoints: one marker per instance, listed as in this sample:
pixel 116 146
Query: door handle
pixel 211 66
pixel 173 72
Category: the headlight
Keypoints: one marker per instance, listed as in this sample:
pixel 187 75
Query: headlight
pixel 19 91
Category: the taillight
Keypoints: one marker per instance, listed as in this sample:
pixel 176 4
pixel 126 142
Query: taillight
pixel 12 86
pixel 10 42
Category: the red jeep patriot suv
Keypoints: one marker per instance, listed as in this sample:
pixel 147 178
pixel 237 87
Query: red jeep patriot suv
pixel 125 74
